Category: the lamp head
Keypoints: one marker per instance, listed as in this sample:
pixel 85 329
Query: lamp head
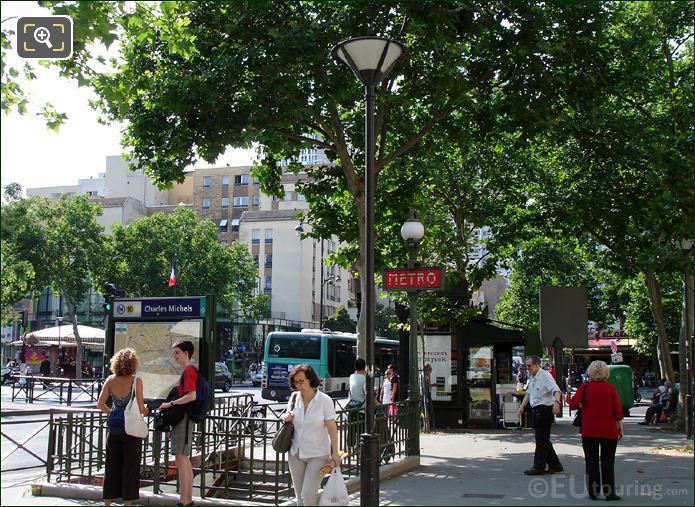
pixel 686 244
pixel 412 230
pixel 370 58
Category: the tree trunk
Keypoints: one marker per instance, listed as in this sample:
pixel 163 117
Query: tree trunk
pixel 687 318
pixel 78 340
pixel 663 349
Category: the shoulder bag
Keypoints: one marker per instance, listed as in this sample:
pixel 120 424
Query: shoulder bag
pixel 282 441
pixel 135 425
pixel 578 417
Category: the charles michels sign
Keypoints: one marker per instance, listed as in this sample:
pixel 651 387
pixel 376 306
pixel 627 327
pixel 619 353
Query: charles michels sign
pixel 404 279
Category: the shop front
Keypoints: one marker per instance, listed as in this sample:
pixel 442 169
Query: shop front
pixel 471 372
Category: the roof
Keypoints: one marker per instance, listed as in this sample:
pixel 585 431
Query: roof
pixel 270 215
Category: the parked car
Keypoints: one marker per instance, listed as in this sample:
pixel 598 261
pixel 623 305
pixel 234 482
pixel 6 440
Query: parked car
pixel 257 378
pixel 223 379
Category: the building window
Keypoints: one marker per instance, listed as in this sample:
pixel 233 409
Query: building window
pixel 255 236
pixel 206 203
pixel 223 243
pixel 241 202
pixel 269 235
pixel 288 196
pixel 235 224
pixel 225 181
pixel 225 202
pixel 206 182
pixel 268 283
pixel 241 179
pixel 256 200
pixel 255 259
pixel 300 197
pixel 269 261
pixel 256 181
pixel 223 225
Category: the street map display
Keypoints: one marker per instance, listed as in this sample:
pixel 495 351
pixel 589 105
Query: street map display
pixel 153 343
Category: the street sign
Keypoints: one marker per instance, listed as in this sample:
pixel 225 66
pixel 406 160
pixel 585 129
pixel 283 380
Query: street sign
pixel 240 347
pixel 404 279
pixel 617 357
pixel 162 308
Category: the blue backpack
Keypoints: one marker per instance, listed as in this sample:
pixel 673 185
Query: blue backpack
pixel 198 409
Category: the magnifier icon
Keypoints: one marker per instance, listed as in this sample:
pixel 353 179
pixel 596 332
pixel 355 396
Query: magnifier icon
pixel 43 36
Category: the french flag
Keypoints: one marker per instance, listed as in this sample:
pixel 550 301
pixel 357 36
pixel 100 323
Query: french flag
pixel 172 276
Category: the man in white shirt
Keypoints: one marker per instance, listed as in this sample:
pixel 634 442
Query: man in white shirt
pixel 544 396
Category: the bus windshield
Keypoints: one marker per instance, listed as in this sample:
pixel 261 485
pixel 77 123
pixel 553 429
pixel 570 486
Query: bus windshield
pixel 295 347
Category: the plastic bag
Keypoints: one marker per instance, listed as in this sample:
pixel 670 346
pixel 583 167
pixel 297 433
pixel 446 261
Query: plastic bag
pixel 335 492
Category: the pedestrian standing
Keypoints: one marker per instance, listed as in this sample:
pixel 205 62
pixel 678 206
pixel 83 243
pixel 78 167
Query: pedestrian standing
pixel 315 438
pixel 544 396
pixel 602 427
pixel 123 452
pixel 389 389
pixel 182 434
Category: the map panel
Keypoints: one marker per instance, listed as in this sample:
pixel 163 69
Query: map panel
pixel 153 343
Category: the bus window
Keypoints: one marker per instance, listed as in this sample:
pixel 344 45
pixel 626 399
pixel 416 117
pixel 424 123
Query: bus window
pixel 341 358
pixel 295 347
pixel 385 354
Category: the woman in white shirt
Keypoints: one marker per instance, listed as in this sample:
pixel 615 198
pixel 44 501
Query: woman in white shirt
pixel 389 389
pixel 315 439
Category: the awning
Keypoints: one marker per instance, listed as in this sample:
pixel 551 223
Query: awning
pixel 223 222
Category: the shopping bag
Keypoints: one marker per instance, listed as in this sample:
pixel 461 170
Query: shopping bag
pixel 335 492
pixel 135 425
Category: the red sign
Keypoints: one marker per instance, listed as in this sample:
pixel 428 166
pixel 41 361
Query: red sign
pixel 403 279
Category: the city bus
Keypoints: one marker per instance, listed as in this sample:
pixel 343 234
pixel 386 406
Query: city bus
pixel 331 354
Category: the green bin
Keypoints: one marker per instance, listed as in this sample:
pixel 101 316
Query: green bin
pixel 621 377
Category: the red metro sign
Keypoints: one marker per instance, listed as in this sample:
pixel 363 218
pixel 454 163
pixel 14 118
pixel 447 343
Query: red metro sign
pixel 404 279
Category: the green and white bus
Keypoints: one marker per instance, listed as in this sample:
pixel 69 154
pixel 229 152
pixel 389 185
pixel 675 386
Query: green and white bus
pixel 331 354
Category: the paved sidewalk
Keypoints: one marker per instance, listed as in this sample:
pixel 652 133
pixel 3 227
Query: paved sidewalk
pixel 485 467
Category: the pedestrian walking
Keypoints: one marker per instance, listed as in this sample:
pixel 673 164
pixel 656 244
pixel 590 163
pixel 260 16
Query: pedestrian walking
pixel 123 452
pixel 544 396
pixel 602 427
pixel 315 438
pixel 182 434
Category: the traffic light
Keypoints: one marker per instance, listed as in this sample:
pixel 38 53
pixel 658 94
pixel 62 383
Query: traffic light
pixel 107 306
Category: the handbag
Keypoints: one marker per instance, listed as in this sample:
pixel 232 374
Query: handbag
pixel 335 492
pixel 135 425
pixel 578 417
pixel 282 441
pixel 353 404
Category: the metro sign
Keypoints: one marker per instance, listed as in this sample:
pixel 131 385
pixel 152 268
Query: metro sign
pixel 404 279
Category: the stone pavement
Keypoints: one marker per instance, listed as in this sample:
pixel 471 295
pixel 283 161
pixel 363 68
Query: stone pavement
pixel 485 467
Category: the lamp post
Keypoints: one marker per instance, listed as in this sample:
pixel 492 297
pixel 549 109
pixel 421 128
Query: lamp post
pixel 412 232
pixel 371 60
pixel 686 246
pixel 59 320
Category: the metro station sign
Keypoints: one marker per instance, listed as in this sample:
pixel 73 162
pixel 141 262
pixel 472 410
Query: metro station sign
pixel 407 279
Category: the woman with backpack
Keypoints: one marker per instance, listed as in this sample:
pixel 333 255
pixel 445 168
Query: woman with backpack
pixel 182 433
pixel 123 451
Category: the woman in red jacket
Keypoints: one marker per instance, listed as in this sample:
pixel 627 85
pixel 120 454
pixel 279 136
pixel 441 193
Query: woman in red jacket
pixel 602 427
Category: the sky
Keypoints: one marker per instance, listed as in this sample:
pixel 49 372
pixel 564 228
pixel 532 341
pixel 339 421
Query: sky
pixel 34 156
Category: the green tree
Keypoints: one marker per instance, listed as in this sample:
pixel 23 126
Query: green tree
pixel 340 321
pixel 385 322
pixel 546 262
pixel 617 162
pixel 198 77
pixel 142 253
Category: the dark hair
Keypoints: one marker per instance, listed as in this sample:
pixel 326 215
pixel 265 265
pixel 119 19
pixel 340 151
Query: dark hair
pixel 360 364
pixel 185 346
pixel 534 360
pixel 308 372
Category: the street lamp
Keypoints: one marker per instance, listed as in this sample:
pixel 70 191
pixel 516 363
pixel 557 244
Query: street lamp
pixel 371 59
pixel 412 232
pixel 328 279
pixel 686 246
pixel 59 320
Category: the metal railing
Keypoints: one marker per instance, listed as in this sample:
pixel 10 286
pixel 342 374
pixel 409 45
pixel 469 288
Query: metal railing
pixel 232 455
pixel 66 390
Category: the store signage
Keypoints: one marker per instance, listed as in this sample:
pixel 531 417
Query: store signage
pixel 159 307
pixel 617 357
pixel 404 279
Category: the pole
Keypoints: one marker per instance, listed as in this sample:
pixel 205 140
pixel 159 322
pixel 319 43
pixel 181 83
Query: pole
pixel 689 352
pixel 321 291
pixel 413 389
pixel 369 473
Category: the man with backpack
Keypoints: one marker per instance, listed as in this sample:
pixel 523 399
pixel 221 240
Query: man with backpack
pixel 191 389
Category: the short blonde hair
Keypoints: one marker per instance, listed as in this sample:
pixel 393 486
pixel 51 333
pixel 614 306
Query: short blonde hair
pixel 598 370
pixel 125 362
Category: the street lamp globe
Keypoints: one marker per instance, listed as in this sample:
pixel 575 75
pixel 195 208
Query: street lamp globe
pixel 370 58
pixel 686 244
pixel 412 230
